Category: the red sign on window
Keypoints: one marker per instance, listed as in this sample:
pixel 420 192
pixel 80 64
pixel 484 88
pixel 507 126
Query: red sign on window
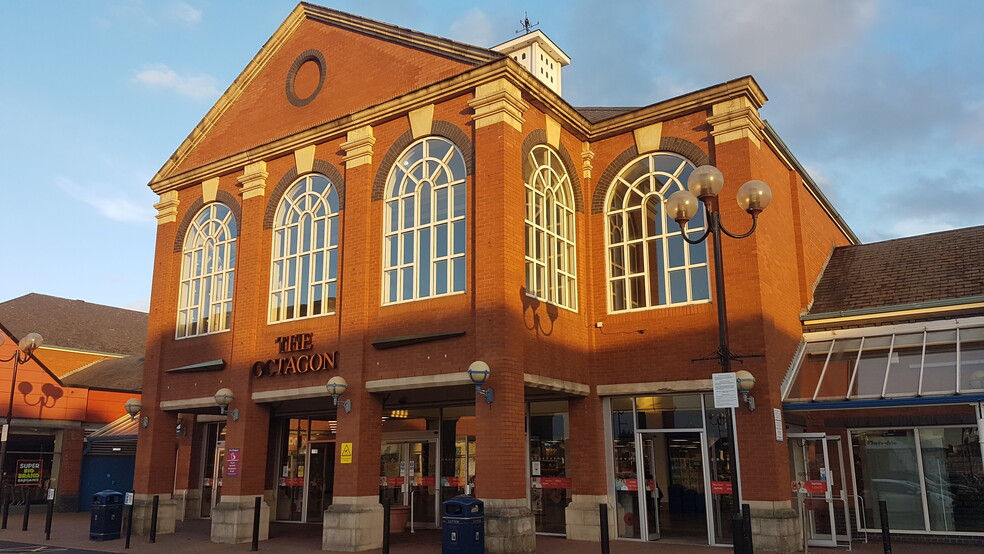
pixel 720 487
pixel 555 482
pixel 815 487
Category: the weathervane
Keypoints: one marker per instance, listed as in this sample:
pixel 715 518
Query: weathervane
pixel 527 26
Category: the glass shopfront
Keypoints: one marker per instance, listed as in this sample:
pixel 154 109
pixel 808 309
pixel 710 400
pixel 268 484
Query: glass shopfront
pixel 672 469
pixel 931 478
pixel 550 484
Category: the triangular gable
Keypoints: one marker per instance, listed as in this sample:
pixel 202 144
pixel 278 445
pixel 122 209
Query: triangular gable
pixel 320 65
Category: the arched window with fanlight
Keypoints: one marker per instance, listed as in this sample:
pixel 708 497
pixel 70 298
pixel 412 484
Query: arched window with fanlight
pixel 424 222
pixel 208 263
pixel 649 263
pixel 304 263
pixel 551 262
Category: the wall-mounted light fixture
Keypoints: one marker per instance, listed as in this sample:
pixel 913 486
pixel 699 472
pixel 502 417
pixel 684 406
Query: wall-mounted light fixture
pixel 133 407
pixel 336 387
pixel 479 372
pixel 224 397
pixel 746 381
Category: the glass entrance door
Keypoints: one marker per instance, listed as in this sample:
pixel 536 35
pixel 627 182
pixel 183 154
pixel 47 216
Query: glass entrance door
pixel 820 489
pixel 672 496
pixel 213 466
pixel 307 472
pixel 409 477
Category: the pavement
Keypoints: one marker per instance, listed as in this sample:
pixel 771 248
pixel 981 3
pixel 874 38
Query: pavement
pixel 70 533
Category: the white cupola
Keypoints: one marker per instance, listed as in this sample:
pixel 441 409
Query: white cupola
pixel 539 55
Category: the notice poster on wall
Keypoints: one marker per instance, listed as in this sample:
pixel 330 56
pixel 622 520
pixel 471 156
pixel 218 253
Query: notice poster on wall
pixel 28 472
pixel 232 462
pixel 725 390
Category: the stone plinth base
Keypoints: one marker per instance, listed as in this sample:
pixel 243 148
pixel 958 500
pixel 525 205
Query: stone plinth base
pixel 143 509
pixel 584 519
pixel 232 519
pixel 775 527
pixel 509 526
pixel 188 504
pixel 353 524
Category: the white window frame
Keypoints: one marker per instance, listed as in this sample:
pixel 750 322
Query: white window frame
pixel 304 261
pixel 208 263
pixel 657 192
pixel 426 197
pixel 551 255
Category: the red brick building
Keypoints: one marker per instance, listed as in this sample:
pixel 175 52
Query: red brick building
pixel 90 362
pixel 387 206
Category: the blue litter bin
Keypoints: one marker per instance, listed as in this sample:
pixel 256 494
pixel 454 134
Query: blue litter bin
pixel 106 516
pixel 463 526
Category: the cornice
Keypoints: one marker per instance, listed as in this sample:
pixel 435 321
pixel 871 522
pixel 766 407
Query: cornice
pixel 533 91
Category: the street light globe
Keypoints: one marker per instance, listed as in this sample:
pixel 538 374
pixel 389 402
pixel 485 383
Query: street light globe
pixel 336 386
pixel 746 381
pixel 223 397
pixel 30 342
pixel 706 180
pixel 754 196
pixel 478 372
pixel 133 407
pixel 681 206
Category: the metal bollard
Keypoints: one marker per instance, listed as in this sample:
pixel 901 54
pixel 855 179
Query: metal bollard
pixel 153 519
pixel 47 519
pixel 738 533
pixel 603 517
pixel 129 522
pixel 256 524
pixel 886 535
pixel 6 510
pixel 746 520
pixel 386 525
pixel 27 513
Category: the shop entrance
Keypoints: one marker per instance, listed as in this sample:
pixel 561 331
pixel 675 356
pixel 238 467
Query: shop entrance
pixel 673 502
pixel 213 466
pixel 408 472
pixel 819 488
pixel 307 472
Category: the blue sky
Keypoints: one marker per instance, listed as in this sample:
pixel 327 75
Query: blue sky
pixel 882 101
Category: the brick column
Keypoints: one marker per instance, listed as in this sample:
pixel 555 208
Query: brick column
pixel 354 521
pixel 497 225
pixel 187 480
pixel 247 436
pixel 154 467
pixel 70 443
pixel 585 456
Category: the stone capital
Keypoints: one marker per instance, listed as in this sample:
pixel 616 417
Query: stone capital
pixel 358 147
pixel 498 102
pixel 167 208
pixel 253 180
pixel 735 119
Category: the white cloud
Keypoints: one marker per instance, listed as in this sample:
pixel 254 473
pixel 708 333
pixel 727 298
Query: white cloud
pixel 109 203
pixel 474 28
pixel 163 77
pixel 184 12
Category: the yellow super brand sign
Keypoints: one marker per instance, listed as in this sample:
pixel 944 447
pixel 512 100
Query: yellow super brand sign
pixel 346 456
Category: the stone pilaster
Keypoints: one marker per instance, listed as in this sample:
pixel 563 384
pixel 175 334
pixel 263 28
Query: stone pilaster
pixel 253 180
pixel 498 102
pixel 358 147
pixel 167 208
pixel 735 119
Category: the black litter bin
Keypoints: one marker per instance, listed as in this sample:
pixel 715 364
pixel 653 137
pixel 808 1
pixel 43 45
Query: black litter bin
pixel 463 526
pixel 107 516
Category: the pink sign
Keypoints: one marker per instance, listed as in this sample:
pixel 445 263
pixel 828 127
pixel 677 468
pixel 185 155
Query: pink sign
pixel 232 462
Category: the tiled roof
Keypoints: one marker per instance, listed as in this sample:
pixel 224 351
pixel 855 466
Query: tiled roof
pixel 928 268
pixel 118 374
pixel 594 115
pixel 76 324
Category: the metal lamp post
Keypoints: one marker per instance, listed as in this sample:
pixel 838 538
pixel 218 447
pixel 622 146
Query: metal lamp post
pixel 704 184
pixel 25 347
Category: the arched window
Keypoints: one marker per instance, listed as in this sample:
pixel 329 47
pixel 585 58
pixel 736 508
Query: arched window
pixel 649 263
pixel 304 266
pixel 424 223
pixel 208 262
pixel 550 255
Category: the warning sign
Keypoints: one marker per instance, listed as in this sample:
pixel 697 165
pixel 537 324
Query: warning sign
pixel 28 472
pixel 346 455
